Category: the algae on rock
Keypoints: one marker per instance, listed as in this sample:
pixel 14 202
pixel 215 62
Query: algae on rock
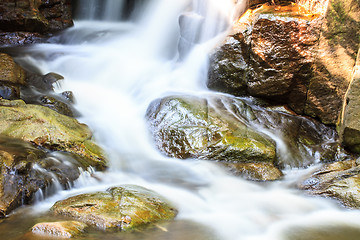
pixel 45 127
pixel 125 207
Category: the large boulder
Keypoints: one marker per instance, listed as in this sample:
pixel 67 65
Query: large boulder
pixel 192 127
pixel 119 208
pixel 243 137
pixel 291 54
pixel 339 180
pixel 29 21
pixel 26 170
pixel 47 128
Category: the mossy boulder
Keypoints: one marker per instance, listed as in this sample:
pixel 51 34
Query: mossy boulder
pixel 120 208
pixel 47 128
pixel 339 180
pixel 25 170
pixel 194 127
pixel 233 130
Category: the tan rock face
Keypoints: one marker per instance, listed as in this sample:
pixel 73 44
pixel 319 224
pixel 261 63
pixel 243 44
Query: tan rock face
pixel 349 126
pixel 28 21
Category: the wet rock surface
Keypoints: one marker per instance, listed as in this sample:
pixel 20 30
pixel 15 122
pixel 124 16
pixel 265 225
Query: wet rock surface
pixel 290 55
pixel 47 128
pixel 120 208
pixel 26 170
pixel 233 131
pixel 339 180
pixel 30 21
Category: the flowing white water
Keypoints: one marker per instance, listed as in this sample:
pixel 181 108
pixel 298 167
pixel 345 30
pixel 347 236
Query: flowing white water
pixel 115 70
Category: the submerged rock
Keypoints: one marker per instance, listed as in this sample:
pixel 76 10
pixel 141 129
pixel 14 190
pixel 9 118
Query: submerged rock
pixel 123 208
pixel 232 130
pixel 47 128
pixel 64 229
pixel 26 170
pixel 339 180
pixel 255 171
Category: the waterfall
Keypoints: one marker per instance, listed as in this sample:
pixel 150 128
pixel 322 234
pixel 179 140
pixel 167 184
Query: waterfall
pixel 116 67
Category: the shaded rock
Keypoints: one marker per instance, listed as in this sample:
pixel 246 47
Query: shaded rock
pixel 47 128
pixel 25 170
pixel 255 171
pixel 64 229
pixel 188 126
pixel 229 67
pixel 339 180
pixel 349 126
pixel 292 54
pixel 123 208
pixel 233 130
pixel 28 21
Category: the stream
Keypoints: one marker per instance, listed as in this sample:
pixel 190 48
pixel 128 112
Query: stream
pixel 116 60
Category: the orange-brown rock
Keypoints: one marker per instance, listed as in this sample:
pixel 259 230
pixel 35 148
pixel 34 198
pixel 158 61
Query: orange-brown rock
pixel 300 54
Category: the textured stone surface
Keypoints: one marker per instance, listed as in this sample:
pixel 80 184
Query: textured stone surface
pixel 30 21
pixel 24 170
pixel 349 126
pixel 339 180
pixel 47 128
pixel 302 55
pixel 123 208
pixel 64 229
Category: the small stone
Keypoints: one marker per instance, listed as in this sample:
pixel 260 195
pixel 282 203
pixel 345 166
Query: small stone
pixel 64 229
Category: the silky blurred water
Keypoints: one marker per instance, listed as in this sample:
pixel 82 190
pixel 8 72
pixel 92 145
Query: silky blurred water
pixel 115 69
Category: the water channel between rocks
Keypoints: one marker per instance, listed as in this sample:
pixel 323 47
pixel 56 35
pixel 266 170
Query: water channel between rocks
pixel 115 70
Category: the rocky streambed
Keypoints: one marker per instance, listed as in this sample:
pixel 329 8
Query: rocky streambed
pixel 288 79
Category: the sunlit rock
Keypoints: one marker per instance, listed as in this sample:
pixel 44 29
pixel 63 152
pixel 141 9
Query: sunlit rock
pixel 64 229
pixel 339 180
pixel 291 54
pixel 26 170
pixel 47 128
pixel 349 126
pixel 121 208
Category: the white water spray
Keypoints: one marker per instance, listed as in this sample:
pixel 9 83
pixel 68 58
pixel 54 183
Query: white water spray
pixel 115 70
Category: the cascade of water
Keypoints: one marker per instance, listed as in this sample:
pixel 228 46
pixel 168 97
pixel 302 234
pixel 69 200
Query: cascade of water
pixel 115 79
